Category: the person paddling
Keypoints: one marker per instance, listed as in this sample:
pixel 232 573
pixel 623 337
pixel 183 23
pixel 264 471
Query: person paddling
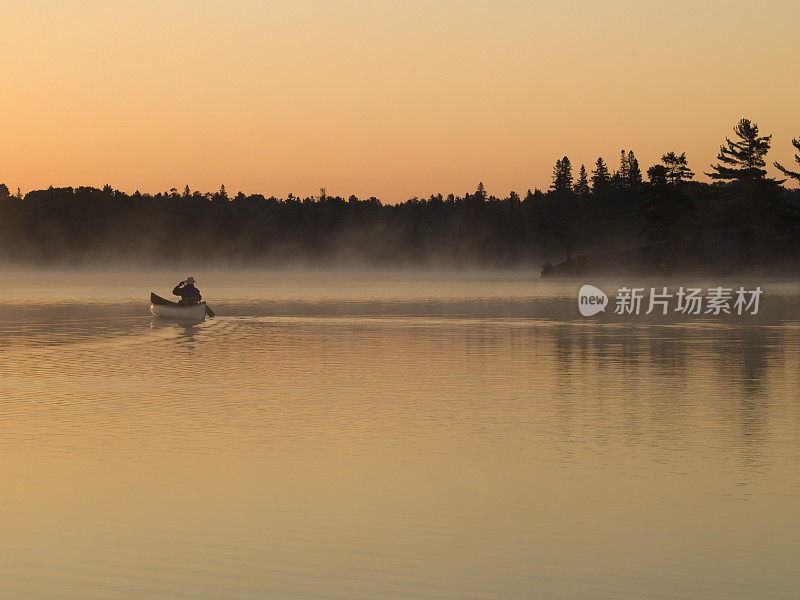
pixel 188 293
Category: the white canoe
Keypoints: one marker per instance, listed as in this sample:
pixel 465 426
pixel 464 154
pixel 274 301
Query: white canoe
pixel 164 308
pixel 195 312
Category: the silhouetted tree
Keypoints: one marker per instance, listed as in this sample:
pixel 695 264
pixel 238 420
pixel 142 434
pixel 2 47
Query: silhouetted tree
pixel 562 176
pixel 669 224
pixel 4 193
pixel 623 164
pixel 560 206
pixel 601 179
pixel 677 167
pixel 787 172
pixel 582 189
pixel 629 174
pixel 619 179
pixel 657 174
pixel 634 172
pixel 745 157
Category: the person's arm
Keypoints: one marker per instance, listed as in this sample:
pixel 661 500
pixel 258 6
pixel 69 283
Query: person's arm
pixel 177 290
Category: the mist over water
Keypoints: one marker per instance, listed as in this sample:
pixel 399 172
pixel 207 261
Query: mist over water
pixel 393 435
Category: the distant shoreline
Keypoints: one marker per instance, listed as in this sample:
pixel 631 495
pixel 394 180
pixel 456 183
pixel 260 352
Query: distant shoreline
pixel 661 228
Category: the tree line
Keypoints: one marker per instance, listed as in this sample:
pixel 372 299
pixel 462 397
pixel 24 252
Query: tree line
pixel 595 219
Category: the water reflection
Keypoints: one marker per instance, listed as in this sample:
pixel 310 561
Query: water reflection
pixel 439 448
pixel 184 331
pixel 723 376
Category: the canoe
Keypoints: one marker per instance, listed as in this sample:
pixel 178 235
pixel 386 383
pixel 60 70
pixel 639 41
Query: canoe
pixel 161 307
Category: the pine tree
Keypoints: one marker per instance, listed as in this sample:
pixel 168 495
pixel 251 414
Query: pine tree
pixel 787 172
pixel 480 192
pixel 634 175
pixel 619 180
pixel 582 186
pixel 187 192
pixel 677 167
pixel 562 176
pixel 624 167
pixel 745 157
pixel 601 179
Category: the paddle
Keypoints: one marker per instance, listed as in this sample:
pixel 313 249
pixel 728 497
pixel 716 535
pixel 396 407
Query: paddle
pixel 209 312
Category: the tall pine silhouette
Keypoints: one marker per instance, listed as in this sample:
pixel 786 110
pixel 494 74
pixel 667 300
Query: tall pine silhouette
pixel 601 178
pixel 634 173
pixel 743 159
pixel 582 189
pixel 562 176
pixel 677 167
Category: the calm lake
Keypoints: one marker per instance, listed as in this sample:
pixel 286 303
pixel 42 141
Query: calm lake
pixel 393 436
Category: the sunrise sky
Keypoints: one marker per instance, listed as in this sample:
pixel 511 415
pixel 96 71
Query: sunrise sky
pixel 392 99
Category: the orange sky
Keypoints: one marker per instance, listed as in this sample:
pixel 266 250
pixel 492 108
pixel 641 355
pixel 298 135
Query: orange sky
pixel 393 99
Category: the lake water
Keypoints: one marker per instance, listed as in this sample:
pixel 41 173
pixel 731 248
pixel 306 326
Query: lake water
pixel 392 436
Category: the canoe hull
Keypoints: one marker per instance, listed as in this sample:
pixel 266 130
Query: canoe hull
pixel 194 312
